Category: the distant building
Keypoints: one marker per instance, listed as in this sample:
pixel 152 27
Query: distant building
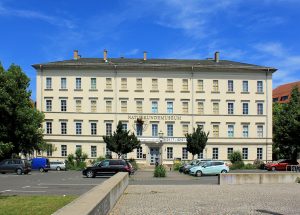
pixel 160 100
pixel 282 93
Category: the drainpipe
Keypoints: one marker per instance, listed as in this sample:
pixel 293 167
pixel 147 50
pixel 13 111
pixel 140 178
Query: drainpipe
pixel 192 97
pixel 116 94
pixel 41 69
pixel 267 108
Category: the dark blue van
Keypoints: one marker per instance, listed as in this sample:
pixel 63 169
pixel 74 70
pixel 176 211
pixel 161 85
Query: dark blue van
pixel 41 164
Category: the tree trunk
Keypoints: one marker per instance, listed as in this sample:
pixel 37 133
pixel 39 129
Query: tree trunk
pixel 193 157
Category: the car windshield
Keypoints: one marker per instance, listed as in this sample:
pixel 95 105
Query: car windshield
pixel 279 161
pixel 96 164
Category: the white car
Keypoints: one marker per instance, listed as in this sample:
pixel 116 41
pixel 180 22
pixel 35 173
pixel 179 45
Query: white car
pixel 209 168
pixel 57 165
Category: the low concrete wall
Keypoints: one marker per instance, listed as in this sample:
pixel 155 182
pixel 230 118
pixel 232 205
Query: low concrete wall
pixel 258 178
pixel 99 200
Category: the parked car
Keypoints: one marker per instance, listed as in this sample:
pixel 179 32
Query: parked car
pixel 107 167
pixel 42 164
pixel 210 168
pixel 18 166
pixel 280 165
pixel 186 168
pixel 57 165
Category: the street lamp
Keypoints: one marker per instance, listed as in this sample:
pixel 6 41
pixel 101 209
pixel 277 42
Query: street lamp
pixel 161 136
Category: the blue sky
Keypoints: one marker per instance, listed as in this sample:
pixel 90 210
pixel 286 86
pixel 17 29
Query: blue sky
pixel 262 32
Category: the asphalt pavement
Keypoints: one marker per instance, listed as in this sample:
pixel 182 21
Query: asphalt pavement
pixel 50 183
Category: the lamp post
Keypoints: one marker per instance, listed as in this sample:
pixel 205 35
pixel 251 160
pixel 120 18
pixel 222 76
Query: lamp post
pixel 161 136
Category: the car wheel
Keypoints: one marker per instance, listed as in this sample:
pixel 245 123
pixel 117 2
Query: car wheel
pixel 198 173
pixel 41 169
pixel 90 174
pixel 19 172
pixel 58 168
pixel 273 168
pixel 224 171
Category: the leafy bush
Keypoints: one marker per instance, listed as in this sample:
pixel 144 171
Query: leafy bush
pixel 249 166
pixel 259 164
pixel 237 165
pixel 101 158
pixel 236 156
pixel 298 180
pixel 160 171
pixel 77 161
pixel 176 166
pixel 134 164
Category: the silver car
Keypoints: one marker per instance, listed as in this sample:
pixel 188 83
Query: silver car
pixel 57 165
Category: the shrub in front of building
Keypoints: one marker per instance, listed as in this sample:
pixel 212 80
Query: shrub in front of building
pixel 236 160
pixel 77 161
pixel 134 164
pixel 176 166
pixel 259 164
pixel 160 171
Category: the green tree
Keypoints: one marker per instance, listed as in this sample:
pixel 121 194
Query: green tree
pixel 286 127
pixel 196 141
pixel 20 122
pixel 121 142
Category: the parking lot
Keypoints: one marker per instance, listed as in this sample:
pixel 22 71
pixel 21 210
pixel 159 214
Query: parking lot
pixel 50 183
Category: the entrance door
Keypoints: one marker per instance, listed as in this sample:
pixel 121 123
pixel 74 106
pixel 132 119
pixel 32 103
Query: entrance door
pixel 154 155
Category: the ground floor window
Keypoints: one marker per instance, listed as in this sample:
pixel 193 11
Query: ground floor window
pixel 139 153
pixel 245 153
pixel 229 152
pixel 93 151
pixel 63 150
pixel 169 152
pixel 184 153
pixel 49 150
pixel 108 153
pixel 259 153
pixel 215 153
pixel 124 156
pixel 200 155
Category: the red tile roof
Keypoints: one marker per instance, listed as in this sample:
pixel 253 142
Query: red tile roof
pixel 284 90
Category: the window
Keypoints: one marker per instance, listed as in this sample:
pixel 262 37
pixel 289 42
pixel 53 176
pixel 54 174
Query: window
pixel 170 130
pixel 245 86
pixel 139 84
pixel 245 131
pixel 108 106
pixel 78 83
pixel 169 107
pixel 63 127
pixel 154 130
pixel 108 153
pixel 154 84
pixel 49 127
pixel 48 83
pixel 275 99
pixel 93 151
pixel 78 127
pixel 229 152
pixel 93 83
pixel 123 106
pixel 108 129
pixel 200 108
pixel 215 86
pixel 93 128
pixel 185 129
pixel 48 105
pixel 230 131
pixel 49 150
pixel 260 88
pixel 93 105
pixel 260 131
pixel 260 109
pixel 215 153
pixel 200 85
pixel 216 108
pixel 63 83
pixel 139 153
pixel 245 108
pixel 230 85
pixel 245 153
pixel 63 150
pixel 200 155
pixel 63 105
pixel 185 107
pixel 283 98
pixel 78 147
pixel 108 83
pixel 170 84
pixel 124 126
pixel 184 153
pixel 78 105
pixel 139 106
pixel 216 130
pixel 124 83
pixel 139 129
pixel 169 152
pixel 154 107
pixel 259 153
pixel 185 84
pixel 230 108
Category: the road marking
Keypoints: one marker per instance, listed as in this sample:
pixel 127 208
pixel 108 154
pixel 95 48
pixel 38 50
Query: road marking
pixel 23 191
pixel 34 187
pixel 5 191
pixel 68 184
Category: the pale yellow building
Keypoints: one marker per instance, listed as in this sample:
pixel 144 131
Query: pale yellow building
pixel 84 98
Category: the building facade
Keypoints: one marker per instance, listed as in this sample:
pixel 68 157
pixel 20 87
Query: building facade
pixel 282 93
pixel 159 100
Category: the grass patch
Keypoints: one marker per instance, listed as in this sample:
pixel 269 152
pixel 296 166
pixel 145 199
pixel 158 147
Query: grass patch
pixel 11 205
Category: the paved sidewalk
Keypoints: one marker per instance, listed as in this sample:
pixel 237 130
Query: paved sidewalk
pixel 276 199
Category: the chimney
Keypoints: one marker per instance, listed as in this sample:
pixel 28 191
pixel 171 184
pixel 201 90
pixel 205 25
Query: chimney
pixel 75 54
pixel 145 55
pixel 105 55
pixel 217 57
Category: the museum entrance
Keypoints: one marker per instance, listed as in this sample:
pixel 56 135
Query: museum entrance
pixel 154 155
